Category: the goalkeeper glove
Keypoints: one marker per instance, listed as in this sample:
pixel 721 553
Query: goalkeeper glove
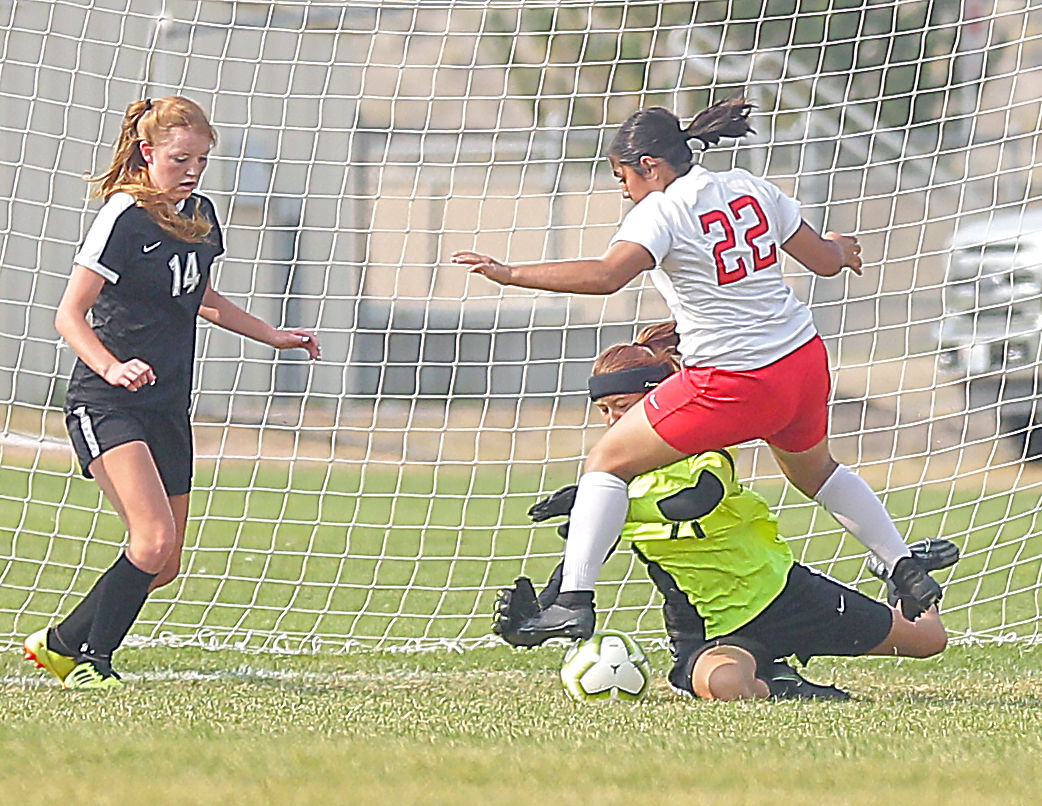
pixel 559 503
pixel 519 603
pixel 512 606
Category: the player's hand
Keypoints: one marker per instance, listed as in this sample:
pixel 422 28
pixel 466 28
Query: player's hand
pixel 298 337
pixel 916 590
pixel 132 374
pixel 484 265
pixel 513 606
pixel 555 504
pixel 850 249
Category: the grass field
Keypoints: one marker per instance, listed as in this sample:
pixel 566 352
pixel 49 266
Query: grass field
pixel 390 554
pixel 494 726
pixel 488 724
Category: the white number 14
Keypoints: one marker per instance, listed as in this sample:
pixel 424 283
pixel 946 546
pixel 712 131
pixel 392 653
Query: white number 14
pixel 186 280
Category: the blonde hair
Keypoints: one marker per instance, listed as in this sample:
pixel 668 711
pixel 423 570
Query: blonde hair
pixel 655 345
pixel 150 121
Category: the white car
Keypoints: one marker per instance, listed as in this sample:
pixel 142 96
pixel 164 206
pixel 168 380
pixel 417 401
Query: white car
pixel 990 333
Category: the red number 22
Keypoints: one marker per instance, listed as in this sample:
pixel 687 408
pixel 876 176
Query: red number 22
pixel 728 242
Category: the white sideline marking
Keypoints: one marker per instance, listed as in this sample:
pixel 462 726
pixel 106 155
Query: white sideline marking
pixel 16 440
pixel 44 679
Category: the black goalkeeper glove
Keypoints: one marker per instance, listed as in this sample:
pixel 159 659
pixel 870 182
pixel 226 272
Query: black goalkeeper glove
pixel 558 503
pixel 916 590
pixel 519 603
pixel 513 605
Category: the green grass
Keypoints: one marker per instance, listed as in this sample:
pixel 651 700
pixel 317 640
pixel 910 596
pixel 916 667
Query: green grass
pixel 332 553
pixel 494 725
pixel 355 547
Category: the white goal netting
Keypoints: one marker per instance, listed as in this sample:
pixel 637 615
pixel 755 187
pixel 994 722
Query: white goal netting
pixel 378 498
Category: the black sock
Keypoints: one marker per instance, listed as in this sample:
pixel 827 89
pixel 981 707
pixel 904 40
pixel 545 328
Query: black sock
pixel 575 599
pixel 55 643
pixel 69 637
pixel 120 599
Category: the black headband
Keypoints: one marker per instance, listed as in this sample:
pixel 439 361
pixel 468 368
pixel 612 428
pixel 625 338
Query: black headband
pixel 628 381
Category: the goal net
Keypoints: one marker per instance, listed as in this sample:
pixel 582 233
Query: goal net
pixel 378 498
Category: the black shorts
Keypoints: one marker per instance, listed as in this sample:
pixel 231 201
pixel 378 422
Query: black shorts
pixel 813 615
pixel 687 653
pixel 168 434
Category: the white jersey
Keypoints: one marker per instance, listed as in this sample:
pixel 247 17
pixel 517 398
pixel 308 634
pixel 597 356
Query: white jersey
pixel 716 237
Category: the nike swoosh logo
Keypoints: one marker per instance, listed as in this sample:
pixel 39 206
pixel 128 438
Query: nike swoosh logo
pixel 150 247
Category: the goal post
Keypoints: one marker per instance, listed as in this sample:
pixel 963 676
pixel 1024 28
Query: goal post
pixel 377 498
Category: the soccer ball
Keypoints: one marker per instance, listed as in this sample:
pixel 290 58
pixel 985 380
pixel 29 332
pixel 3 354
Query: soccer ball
pixel 607 666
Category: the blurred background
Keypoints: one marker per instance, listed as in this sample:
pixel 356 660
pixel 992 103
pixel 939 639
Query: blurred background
pixel 361 143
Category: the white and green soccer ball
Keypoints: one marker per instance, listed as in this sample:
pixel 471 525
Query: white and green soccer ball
pixel 608 665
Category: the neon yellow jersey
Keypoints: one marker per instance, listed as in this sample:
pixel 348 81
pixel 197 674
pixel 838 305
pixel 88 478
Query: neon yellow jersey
pixel 731 563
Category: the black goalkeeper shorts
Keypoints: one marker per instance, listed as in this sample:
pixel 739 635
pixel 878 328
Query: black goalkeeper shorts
pixel 168 435
pixel 813 615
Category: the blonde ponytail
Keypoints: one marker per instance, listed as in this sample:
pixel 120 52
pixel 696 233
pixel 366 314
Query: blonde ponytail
pixel 151 121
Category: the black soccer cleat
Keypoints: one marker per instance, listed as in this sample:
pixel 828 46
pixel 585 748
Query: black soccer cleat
pixel 556 621
pixel 786 683
pixel 933 554
pixel 916 590
pixel 89 674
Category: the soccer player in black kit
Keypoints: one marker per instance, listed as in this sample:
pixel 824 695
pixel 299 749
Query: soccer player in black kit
pixel 138 282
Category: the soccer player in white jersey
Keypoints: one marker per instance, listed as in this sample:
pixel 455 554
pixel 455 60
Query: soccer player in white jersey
pixel 138 282
pixel 754 366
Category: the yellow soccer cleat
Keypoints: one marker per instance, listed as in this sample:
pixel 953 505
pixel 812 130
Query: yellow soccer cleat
pixel 86 676
pixel 36 650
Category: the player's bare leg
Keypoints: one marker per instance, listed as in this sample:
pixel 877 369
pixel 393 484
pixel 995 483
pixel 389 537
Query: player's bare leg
pixel 921 638
pixel 730 673
pixel 128 476
pixel 807 470
pixel 727 673
pixel 168 573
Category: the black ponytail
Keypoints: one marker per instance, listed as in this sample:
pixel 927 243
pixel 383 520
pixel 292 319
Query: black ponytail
pixel 656 132
pixel 728 118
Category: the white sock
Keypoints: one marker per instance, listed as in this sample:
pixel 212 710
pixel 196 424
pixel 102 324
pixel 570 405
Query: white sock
pixel 594 526
pixel 858 510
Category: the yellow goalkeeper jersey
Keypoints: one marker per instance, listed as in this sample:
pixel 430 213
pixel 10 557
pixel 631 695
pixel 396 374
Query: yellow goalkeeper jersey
pixel 731 563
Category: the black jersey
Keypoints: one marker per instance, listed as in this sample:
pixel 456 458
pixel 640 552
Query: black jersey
pixel 147 309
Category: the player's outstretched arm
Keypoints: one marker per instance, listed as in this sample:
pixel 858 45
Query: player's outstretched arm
pixel 604 275
pixel 224 313
pixel 826 255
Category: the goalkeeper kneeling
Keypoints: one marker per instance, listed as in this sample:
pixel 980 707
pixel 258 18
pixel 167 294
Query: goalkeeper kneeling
pixel 737 604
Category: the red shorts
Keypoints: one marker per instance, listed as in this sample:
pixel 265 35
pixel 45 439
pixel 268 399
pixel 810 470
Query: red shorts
pixel 785 403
